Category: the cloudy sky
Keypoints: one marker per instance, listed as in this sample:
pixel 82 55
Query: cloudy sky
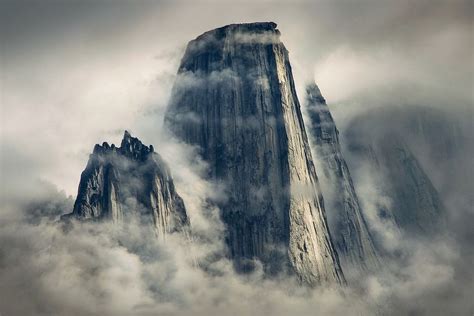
pixel 75 73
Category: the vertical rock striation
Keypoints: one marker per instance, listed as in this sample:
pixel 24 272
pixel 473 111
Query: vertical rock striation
pixel 346 220
pixel 131 180
pixel 235 99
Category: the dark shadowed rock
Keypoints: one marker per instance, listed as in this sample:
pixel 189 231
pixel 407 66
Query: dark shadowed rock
pixel 130 180
pixel 235 99
pixel 345 217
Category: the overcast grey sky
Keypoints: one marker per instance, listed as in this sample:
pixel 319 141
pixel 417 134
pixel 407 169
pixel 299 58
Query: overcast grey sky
pixel 74 73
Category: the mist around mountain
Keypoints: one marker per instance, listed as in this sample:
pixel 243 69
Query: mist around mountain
pixel 407 164
pixel 129 182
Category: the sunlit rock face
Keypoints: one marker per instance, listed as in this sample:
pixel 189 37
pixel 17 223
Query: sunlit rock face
pixel 346 220
pixel 235 99
pixel 131 180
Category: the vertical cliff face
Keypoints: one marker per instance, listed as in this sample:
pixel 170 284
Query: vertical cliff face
pixel 235 99
pixel 131 180
pixel 346 220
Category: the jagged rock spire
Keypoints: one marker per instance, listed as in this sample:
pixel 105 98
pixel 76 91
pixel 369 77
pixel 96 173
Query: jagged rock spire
pixel 346 220
pixel 131 180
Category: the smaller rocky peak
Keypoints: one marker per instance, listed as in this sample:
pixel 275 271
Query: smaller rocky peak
pixel 131 180
pixel 103 149
pixel 129 140
pixel 323 127
pixel 346 220
pixel 132 147
pixel 127 135
pixel 314 94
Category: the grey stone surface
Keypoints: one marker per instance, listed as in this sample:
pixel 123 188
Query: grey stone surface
pixel 346 220
pixel 235 99
pixel 130 180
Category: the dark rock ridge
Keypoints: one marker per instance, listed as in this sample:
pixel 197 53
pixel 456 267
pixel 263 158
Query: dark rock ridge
pixel 235 99
pixel 130 180
pixel 346 220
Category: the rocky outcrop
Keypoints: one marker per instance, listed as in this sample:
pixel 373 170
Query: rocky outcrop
pixel 131 180
pixel 346 220
pixel 235 99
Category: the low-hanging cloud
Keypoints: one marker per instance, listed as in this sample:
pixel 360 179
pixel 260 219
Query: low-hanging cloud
pixel 100 268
